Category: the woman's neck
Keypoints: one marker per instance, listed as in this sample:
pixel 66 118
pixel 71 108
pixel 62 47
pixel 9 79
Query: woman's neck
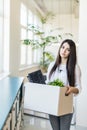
pixel 63 61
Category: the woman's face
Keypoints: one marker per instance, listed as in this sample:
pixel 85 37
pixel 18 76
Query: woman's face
pixel 65 50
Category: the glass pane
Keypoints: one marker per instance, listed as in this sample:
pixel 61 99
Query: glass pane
pixel 29 55
pixel 4 35
pixel 39 54
pixel 35 20
pixel 1 43
pixel 30 17
pixel 30 35
pixel 35 56
pixel 6 45
pixel 39 23
pixel 23 54
pixel 6 7
pixel 1 7
pixel 23 34
pixel 23 18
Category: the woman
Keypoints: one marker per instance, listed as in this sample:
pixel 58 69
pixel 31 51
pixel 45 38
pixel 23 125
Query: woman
pixel 66 69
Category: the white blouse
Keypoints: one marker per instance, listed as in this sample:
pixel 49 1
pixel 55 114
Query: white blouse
pixel 61 73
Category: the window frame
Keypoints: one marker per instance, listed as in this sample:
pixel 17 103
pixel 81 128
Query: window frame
pixel 34 53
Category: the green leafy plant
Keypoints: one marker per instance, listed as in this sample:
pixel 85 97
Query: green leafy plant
pixel 42 42
pixel 57 82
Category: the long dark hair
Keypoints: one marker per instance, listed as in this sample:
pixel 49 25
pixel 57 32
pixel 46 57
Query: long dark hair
pixel 71 62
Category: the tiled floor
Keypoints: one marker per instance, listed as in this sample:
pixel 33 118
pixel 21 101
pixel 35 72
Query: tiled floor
pixel 34 123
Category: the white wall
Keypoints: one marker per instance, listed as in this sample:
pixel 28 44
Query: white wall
pixel 65 23
pixel 82 99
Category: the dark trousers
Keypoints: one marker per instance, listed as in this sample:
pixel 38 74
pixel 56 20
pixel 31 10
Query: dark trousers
pixel 61 122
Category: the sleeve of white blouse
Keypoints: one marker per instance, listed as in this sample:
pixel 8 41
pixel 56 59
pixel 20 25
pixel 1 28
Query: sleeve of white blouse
pixel 48 71
pixel 78 78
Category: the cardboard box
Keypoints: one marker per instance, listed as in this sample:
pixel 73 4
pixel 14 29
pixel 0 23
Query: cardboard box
pixel 47 99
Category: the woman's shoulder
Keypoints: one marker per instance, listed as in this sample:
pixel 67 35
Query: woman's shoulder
pixel 51 65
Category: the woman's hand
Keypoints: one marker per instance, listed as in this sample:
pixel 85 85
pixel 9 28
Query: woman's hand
pixel 71 90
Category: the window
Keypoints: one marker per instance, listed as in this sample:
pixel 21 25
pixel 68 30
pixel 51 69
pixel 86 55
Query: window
pixel 28 56
pixel 4 36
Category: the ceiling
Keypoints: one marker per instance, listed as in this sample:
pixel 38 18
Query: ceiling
pixel 58 6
